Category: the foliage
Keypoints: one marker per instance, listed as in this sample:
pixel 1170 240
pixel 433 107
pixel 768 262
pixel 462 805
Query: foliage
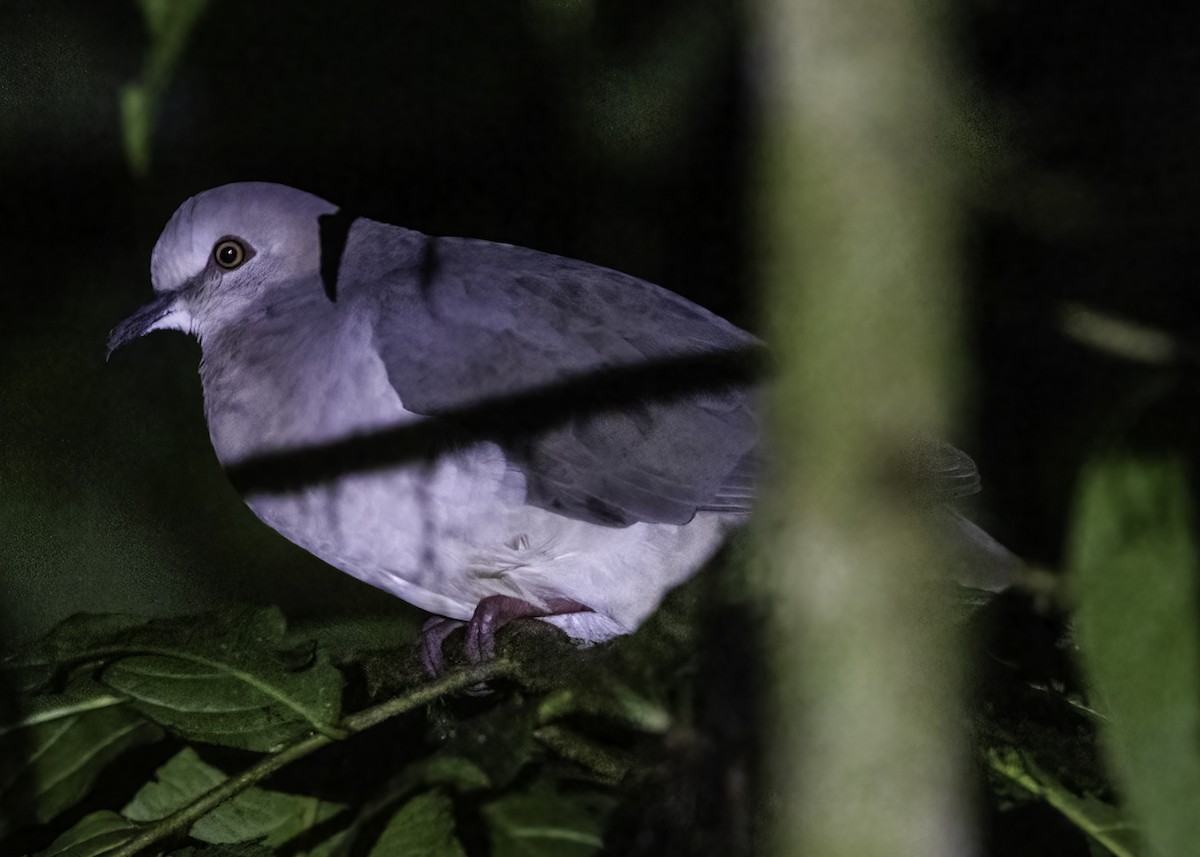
pixel 1107 736
pixel 230 734
pixel 190 723
pixel 1135 563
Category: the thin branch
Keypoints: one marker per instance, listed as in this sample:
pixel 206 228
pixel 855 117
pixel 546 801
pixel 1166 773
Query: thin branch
pixel 607 764
pixel 182 819
pixel 1096 819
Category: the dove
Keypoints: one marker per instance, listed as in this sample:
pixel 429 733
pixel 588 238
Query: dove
pixel 485 431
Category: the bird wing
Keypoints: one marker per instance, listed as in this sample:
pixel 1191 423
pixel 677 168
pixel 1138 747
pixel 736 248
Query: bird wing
pixel 947 473
pixel 618 400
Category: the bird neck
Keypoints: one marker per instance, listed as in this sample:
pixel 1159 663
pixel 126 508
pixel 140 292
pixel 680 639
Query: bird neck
pixel 293 381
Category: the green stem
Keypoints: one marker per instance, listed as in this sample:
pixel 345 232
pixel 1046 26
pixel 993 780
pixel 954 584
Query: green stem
pixel 611 767
pixel 1014 766
pixel 63 711
pixel 183 818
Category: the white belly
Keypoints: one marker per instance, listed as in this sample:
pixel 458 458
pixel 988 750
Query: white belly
pixel 441 535
pixel 445 536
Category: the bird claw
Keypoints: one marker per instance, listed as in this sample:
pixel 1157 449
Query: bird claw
pixel 433 633
pixel 491 614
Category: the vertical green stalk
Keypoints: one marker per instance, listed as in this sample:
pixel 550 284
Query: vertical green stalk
pixel 858 198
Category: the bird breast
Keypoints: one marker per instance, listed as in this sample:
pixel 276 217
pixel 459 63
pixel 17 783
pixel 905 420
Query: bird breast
pixel 439 532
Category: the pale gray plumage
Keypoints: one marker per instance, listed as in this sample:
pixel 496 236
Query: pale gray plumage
pixel 607 508
pixel 579 492
pixel 461 321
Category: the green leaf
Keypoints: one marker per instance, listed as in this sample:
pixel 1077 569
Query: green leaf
pixel 35 664
pixel 498 742
pixel 350 636
pixel 334 846
pixel 607 697
pixel 137 123
pixel 445 769
pixel 47 708
pixel 542 824
pixel 255 814
pixel 423 827
pixel 1135 567
pixel 51 756
pixel 92 836
pixel 228 678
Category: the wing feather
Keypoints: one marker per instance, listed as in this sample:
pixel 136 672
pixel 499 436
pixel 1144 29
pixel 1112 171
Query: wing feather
pixel 629 403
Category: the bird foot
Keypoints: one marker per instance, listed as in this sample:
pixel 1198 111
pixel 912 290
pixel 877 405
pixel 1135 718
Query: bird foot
pixel 491 614
pixel 433 633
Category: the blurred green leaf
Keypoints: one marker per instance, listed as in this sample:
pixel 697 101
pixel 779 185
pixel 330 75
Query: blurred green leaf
pixel 230 678
pixel 1134 562
pixel 611 699
pixel 255 814
pixel 137 125
pixel 499 742
pixel 542 824
pixel 423 827
pixel 94 835
pixel 454 773
pixel 51 756
pixel 334 845
pixel 444 769
pixel 170 23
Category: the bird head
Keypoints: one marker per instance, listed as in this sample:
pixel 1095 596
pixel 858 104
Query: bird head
pixel 226 255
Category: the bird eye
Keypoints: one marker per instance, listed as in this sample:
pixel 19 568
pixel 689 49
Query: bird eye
pixel 229 254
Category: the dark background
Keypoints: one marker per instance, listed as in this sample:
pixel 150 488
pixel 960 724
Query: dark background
pixel 620 132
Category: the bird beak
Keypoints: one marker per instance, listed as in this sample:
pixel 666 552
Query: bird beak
pixel 162 312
